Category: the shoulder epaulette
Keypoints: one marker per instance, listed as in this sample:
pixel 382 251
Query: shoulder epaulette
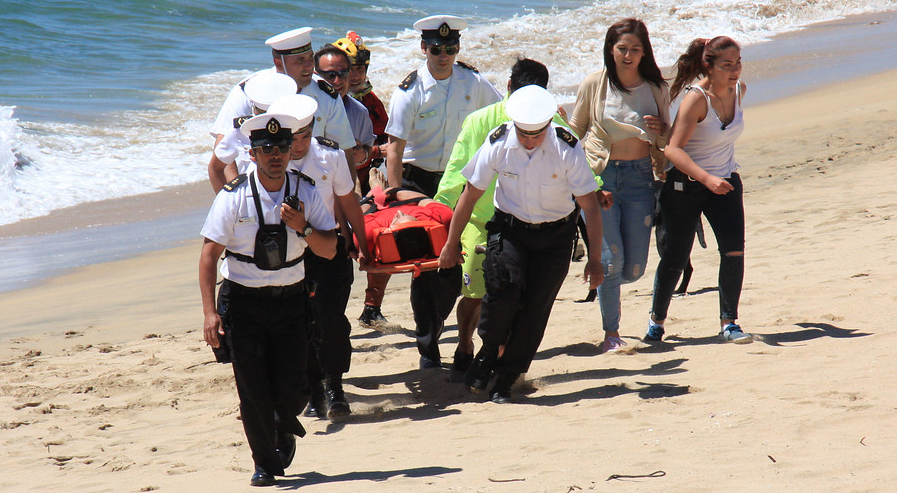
pixel 467 66
pixel 303 176
pixel 233 184
pixel 324 141
pixel 408 80
pixel 328 89
pixel 566 136
pixel 238 121
pixel 498 132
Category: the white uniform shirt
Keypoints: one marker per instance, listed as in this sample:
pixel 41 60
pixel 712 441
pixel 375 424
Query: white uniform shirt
pixel 328 168
pixel 330 119
pixel 533 189
pixel 429 116
pixel 233 222
pixel 234 147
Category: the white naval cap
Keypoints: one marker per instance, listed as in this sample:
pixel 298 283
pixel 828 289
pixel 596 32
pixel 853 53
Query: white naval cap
pixel 298 106
pixel 270 129
pixel 440 29
pixel 267 87
pixel 531 107
pixel 293 42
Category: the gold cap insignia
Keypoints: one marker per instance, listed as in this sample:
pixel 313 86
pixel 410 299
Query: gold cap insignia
pixel 273 126
pixel 444 30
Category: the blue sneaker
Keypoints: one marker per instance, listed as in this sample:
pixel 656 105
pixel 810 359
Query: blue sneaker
pixel 655 332
pixel 733 333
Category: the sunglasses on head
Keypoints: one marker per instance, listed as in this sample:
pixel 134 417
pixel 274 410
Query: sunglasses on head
pixel 333 74
pixel 268 149
pixel 449 50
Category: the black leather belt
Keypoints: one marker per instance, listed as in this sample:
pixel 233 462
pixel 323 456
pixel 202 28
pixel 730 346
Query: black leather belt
pixel 266 292
pixel 422 177
pixel 510 221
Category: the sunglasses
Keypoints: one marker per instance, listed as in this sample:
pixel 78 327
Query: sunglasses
pixel 268 149
pixel 449 50
pixel 333 74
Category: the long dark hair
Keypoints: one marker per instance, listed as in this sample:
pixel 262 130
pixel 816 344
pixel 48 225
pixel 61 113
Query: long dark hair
pixel 697 60
pixel 647 67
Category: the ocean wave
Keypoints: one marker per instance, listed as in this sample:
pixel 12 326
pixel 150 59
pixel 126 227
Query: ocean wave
pixel 570 42
pixel 138 151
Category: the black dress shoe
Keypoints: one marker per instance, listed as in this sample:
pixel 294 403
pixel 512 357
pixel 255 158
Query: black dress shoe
pixel 477 377
pixel 285 444
pixel 461 362
pixel 336 398
pixel 317 405
pixel 426 363
pixel 261 478
pixel 501 392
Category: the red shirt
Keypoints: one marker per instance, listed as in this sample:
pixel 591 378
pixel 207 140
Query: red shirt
pixel 434 211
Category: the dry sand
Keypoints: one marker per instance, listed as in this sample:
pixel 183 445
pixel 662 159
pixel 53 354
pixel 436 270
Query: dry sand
pixel 119 394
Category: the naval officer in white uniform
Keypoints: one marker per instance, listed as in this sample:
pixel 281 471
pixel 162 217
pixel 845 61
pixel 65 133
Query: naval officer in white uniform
pixel 260 322
pixel 429 106
pixel 542 175
pixel 293 56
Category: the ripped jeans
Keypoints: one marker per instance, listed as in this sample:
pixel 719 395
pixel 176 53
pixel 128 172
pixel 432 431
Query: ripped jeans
pixel 682 201
pixel 627 232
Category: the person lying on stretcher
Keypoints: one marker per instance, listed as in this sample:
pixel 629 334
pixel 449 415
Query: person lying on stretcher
pixel 391 225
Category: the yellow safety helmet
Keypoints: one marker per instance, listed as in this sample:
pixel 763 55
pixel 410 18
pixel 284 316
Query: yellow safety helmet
pixel 353 45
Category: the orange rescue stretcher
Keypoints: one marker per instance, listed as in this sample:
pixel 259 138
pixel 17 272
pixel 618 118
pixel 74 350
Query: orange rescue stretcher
pixel 407 247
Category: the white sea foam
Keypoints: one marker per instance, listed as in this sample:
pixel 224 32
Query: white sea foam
pixel 136 152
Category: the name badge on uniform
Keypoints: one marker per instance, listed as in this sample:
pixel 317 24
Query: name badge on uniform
pixel 678 186
pixel 428 114
pixel 246 220
pixel 509 175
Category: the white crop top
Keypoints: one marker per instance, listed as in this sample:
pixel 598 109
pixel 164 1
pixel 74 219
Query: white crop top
pixel 630 109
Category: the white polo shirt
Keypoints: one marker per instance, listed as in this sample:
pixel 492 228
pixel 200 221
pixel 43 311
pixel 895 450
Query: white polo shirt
pixel 233 222
pixel 330 119
pixel 328 168
pixel 534 188
pixel 429 113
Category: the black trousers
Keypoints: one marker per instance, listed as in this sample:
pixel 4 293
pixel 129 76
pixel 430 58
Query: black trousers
pixel 330 349
pixel 268 336
pixel 433 295
pixel 523 270
pixel 682 201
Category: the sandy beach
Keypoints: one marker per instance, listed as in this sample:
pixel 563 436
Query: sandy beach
pixel 107 385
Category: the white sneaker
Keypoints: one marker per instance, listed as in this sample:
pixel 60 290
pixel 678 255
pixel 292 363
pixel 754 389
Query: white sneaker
pixel 612 345
pixel 733 333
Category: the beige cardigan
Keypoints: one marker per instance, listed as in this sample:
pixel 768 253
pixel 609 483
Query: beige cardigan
pixel 589 124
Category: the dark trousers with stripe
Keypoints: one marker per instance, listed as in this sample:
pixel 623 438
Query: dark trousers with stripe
pixel 268 336
pixel 524 270
pixel 331 348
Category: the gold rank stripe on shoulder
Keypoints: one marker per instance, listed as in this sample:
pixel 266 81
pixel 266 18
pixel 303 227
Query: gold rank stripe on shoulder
pixel 238 121
pixel 467 66
pixel 566 136
pixel 498 132
pixel 233 184
pixel 324 141
pixel 408 80
pixel 328 89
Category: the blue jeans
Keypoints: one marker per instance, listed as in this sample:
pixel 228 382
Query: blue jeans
pixel 627 231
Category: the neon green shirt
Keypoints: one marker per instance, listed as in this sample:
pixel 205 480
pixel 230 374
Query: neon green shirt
pixel 474 132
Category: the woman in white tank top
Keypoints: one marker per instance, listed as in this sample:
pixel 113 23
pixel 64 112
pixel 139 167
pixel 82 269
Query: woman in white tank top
pixel 702 179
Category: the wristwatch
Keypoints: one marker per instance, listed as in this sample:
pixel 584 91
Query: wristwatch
pixel 308 230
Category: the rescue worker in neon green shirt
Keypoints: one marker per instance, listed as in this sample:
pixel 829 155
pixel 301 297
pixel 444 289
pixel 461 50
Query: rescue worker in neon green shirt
pixel 474 131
